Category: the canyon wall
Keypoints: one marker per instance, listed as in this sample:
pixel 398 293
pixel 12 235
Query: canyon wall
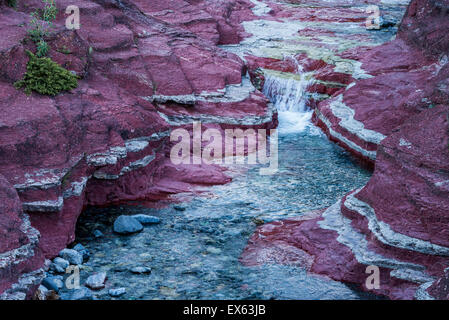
pixel 397 120
pixel 145 67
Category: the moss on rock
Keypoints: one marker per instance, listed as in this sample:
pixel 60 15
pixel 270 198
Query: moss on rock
pixel 12 3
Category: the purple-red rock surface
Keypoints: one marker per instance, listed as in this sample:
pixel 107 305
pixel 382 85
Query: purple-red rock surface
pixel 148 67
pixel 396 118
pixel 145 68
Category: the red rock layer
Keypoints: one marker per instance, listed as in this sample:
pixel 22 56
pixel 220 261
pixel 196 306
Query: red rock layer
pixel 146 67
pixel 409 75
pixel 21 259
pixel 399 120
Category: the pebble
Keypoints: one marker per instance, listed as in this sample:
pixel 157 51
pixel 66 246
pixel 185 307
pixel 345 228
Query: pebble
pixel 127 225
pixel 120 269
pixel 50 284
pixel 213 250
pixel 98 234
pixel 83 250
pixel 140 270
pixel 57 269
pixel 117 292
pixel 41 293
pixel 146 219
pixel 72 256
pixel 82 294
pixel 96 281
pixel 59 283
pixel 59 265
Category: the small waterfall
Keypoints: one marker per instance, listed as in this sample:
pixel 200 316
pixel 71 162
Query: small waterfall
pixel 286 94
pixel 289 97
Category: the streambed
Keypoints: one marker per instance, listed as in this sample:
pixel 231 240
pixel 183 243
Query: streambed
pixel 194 254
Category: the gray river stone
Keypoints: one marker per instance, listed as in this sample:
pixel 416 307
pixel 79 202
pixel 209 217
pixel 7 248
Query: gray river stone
pixel 50 284
pixel 127 225
pixel 83 250
pixel 59 265
pixel 146 219
pixel 72 256
pixel 117 292
pixel 79 294
pixel 96 281
pixel 98 233
pixel 140 270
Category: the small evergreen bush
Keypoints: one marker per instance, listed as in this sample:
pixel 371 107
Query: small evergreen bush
pixel 12 3
pixel 41 23
pixel 41 48
pixel 46 77
pixel 39 29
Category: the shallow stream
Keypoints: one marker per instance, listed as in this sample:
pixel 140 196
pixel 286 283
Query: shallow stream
pixel 194 253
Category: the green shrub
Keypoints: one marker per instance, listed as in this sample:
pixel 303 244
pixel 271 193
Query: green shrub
pixel 41 23
pixel 50 11
pixel 39 29
pixel 12 3
pixel 46 77
pixel 41 48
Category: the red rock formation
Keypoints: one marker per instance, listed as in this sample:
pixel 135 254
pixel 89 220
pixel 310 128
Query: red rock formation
pixel 21 259
pixel 145 69
pixel 150 66
pixel 399 119
pixel 398 222
pixel 409 75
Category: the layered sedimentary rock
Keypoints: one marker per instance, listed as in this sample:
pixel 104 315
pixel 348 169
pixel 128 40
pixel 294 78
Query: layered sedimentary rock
pixel 406 76
pixel 398 119
pixel 397 222
pixel 327 48
pixel 21 259
pixel 146 67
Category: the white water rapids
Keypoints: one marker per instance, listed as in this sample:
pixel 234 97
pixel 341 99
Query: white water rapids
pixel 290 99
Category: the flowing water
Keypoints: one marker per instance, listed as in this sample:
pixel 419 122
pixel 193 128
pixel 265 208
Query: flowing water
pixel 289 97
pixel 194 254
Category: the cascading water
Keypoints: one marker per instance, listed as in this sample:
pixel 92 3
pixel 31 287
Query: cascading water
pixel 288 94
